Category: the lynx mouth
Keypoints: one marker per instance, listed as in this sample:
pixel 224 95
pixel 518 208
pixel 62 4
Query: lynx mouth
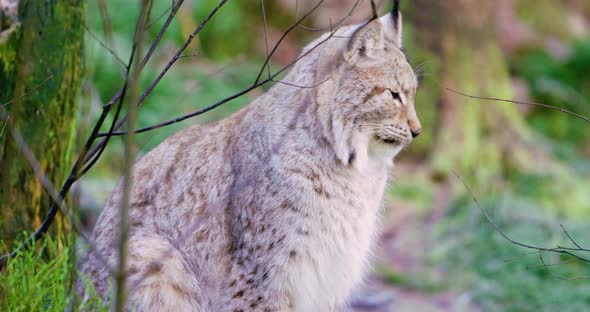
pixel 390 140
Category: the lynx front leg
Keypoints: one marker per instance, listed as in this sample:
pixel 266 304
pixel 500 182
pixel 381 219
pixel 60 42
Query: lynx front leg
pixel 246 290
pixel 160 279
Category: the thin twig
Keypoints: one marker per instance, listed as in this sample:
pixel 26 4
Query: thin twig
pixel 223 101
pixel 265 33
pixel 99 148
pixel 552 264
pixel 586 119
pixel 170 63
pixel 497 229
pixel 104 46
pixel 107 25
pixel 522 255
pixel 557 276
pixel 133 83
pixel 276 46
pixel 331 25
pixel 4 125
pixel 571 239
pixel 28 92
pixel 257 83
pixel 150 24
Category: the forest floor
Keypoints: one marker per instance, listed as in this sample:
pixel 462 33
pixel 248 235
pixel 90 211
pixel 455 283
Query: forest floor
pixel 403 279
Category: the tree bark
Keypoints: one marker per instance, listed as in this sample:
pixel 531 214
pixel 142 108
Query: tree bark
pixel 48 43
pixel 460 37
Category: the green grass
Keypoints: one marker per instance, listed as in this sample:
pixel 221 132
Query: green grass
pixel 474 255
pixel 41 279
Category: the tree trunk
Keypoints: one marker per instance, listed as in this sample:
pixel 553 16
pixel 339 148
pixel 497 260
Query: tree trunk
pixel 47 45
pixel 474 137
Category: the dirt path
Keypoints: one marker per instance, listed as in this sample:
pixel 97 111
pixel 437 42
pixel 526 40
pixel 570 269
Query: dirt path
pixel 402 280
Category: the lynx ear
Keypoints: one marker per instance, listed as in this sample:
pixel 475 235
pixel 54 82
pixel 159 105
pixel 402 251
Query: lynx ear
pixel 392 25
pixel 366 39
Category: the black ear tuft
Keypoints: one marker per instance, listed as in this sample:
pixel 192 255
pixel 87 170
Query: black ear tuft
pixel 374 8
pixel 395 12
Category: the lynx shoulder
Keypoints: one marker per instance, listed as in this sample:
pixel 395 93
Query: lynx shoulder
pixel 274 208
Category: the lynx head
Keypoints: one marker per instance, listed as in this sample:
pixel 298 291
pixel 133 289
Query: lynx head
pixel 368 97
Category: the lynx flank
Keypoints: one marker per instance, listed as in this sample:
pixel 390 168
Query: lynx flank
pixel 275 208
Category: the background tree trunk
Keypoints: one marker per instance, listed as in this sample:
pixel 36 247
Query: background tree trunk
pixel 48 43
pixel 468 132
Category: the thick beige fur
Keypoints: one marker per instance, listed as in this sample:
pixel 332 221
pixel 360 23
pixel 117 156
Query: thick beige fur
pixel 274 208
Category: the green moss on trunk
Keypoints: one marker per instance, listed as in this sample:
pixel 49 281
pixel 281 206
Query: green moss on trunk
pixel 49 43
pixel 477 138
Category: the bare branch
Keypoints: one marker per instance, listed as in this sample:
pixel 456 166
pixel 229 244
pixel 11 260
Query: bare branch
pixel 567 251
pixel 332 26
pixel 257 83
pixel 160 35
pixel 265 33
pixel 571 239
pixel 557 276
pixel 152 23
pixel 276 46
pixel 102 44
pixel 552 264
pixel 586 119
pixel 173 60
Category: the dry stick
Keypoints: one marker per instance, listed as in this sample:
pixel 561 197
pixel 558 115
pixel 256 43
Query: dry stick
pixel 85 155
pixel 567 251
pixel 132 82
pixel 586 119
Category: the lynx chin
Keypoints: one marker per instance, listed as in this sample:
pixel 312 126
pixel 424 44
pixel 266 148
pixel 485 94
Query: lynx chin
pixel 275 208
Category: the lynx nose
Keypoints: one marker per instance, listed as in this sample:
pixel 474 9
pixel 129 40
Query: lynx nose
pixel 414 123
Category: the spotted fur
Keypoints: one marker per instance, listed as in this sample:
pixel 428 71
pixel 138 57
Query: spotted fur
pixel 274 208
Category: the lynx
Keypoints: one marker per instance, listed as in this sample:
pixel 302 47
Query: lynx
pixel 275 208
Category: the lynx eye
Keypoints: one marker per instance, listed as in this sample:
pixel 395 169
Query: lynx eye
pixel 395 95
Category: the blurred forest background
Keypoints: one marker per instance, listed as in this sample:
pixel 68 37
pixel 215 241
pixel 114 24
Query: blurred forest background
pixel 528 166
